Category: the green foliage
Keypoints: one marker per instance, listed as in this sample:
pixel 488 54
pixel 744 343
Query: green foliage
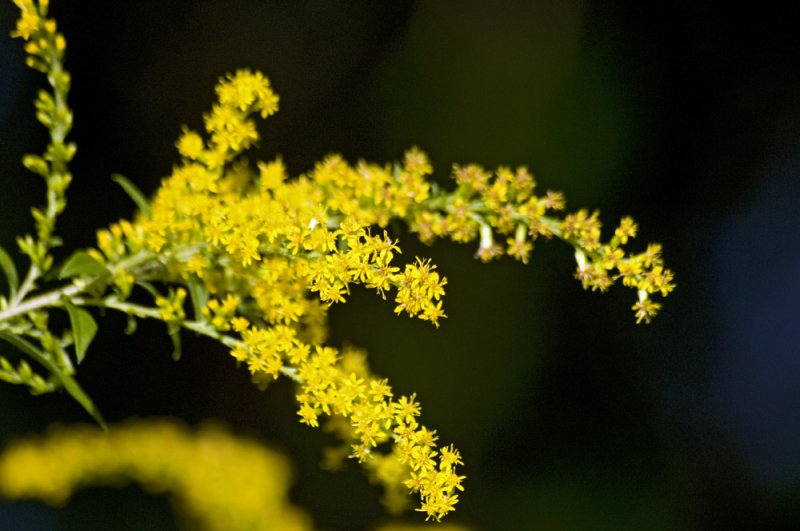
pixel 10 272
pixel 83 327
pixel 134 193
pixel 81 263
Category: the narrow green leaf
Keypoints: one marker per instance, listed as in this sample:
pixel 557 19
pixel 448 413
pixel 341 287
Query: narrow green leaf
pixel 7 265
pixel 82 263
pixel 134 193
pixel 174 331
pixel 149 288
pixel 82 398
pixel 130 328
pixel 84 327
pixel 199 295
pixel 67 382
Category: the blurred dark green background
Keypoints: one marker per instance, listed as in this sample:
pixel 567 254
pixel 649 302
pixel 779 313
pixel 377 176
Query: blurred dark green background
pixel 569 416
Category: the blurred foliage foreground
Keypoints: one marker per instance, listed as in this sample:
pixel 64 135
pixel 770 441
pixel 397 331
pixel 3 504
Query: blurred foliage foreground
pixel 251 258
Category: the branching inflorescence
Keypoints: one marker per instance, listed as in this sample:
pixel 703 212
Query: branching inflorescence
pixel 257 258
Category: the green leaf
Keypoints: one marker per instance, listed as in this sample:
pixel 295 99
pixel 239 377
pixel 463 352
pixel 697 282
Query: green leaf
pixel 82 398
pixel 134 193
pixel 83 327
pixel 199 295
pixel 81 263
pixel 149 288
pixel 130 328
pixel 67 381
pixel 7 265
pixel 174 331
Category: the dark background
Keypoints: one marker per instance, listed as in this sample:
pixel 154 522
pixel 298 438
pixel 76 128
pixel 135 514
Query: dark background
pixel 569 416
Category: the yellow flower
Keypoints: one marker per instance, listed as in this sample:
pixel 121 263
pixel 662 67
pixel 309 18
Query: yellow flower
pixel 190 144
pixel 272 174
pixel 627 229
pixel 645 310
pixel 28 24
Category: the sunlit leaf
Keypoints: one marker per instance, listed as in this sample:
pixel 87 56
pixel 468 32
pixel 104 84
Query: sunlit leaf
pixel 174 331
pixel 10 271
pixel 84 327
pixel 81 263
pixel 199 295
pixel 130 328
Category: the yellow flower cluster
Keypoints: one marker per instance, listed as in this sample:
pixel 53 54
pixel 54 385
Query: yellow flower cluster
pixel 221 482
pixel 171 308
pixel 43 42
pixel 262 245
pixel 277 240
pixel 362 411
pixel 503 202
pixel 600 264
pixel 228 124
pixel 264 256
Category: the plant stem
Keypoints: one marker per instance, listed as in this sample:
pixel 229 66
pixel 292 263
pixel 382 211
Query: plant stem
pixel 198 327
pixel 27 285
pixel 51 298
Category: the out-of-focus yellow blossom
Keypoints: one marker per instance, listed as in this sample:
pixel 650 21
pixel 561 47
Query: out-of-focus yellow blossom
pixel 218 481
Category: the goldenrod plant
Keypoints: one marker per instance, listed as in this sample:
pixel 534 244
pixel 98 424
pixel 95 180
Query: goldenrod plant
pixel 250 257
